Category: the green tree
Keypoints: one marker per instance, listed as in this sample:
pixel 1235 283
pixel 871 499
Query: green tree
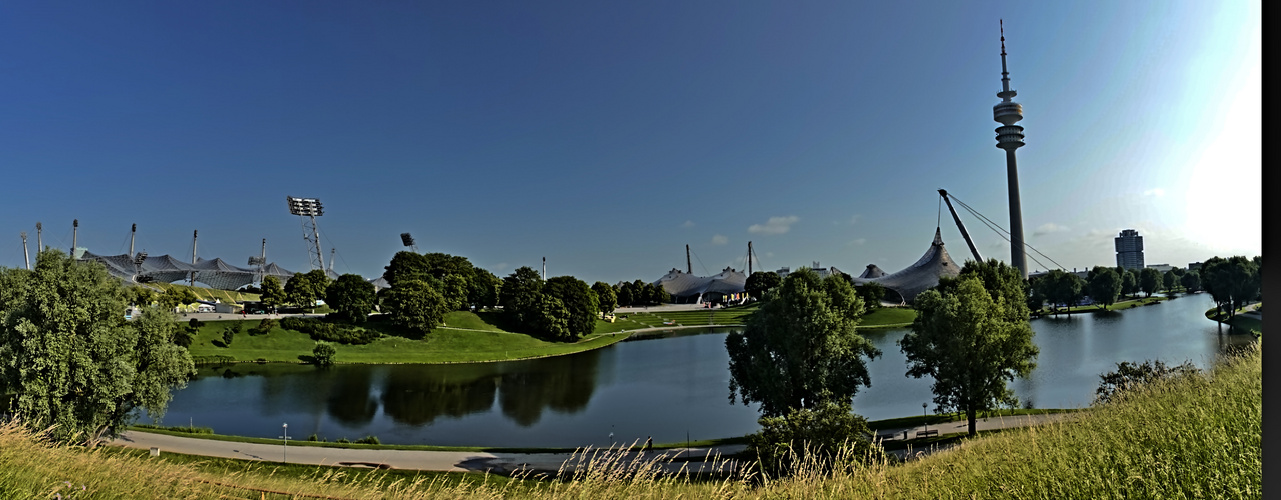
pixel 484 289
pixel 625 295
pixel 1149 281
pixel 971 345
pixel 580 303
pixel 657 294
pixel 1129 284
pixel 519 296
pixel 1061 287
pixel 549 318
pixel 69 358
pixel 828 436
pixel 405 266
pixel 760 282
pixel 273 293
pixel 640 293
pixel 1105 286
pixel 606 299
pixel 305 289
pixel 323 354
pixel 1169 280
pixel 174 297
pixel 1129 376
pixel 1191 281
pixel 872 293
pixel 227 336
pixel 455 289
pixel 415 305
pixel 351 297
pixel 801 347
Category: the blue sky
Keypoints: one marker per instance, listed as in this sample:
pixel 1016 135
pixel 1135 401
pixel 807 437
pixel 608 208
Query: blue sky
pixel 606 136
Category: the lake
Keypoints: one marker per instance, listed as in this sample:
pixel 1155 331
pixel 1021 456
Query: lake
pixel 668 387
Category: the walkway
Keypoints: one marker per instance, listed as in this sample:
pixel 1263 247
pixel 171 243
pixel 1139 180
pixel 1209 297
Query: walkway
pixel 694 459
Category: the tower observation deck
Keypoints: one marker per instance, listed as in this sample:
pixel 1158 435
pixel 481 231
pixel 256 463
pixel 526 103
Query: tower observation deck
pixel 1010 137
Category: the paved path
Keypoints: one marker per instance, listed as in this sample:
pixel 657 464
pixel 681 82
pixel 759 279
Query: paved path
pixel 692 459
pixel 454 461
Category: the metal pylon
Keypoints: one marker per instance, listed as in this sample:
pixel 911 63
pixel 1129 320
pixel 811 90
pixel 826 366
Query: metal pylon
pixel 311 234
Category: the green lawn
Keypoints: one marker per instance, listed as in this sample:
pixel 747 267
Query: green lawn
pixel 442 345
pixel 888 317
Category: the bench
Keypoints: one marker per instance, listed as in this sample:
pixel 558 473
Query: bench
pixel 931 432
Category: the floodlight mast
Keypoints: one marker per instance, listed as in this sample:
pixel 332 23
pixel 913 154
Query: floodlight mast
pixel 307 209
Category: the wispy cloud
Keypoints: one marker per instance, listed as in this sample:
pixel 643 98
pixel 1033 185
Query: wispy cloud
pixel 769 254
pixel 855 218
pixel 1154 192
pixel 1050 227
pixel 719 240
pixel 688 223
pixel 775 225
pixel 856 242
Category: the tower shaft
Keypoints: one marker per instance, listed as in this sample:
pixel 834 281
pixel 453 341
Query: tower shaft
pixel 1010 137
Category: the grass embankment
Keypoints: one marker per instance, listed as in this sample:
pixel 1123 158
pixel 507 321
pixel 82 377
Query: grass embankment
pixel 1239 321
pixel 466 337
pixel 1196 437
pixel 481 341
pixel 209 294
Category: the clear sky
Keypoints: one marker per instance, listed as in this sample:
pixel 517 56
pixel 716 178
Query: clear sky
pixel 605 136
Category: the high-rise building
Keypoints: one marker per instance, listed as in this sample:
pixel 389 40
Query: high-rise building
pixel 1009 137
pixel 1129 250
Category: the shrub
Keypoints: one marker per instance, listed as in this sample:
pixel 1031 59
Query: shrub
pixel 368 440
pixel 329 332
pixel 1129 376
pixel 323 354
pixel 342 440
pixel 263 327
pixel 227 335
pixel 827 438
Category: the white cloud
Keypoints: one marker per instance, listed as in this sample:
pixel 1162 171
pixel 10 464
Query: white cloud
pixel 769 254
pixel 859 241
pixel 1154 192
pixel 775 225
pixel 1049 227
pixel 719 240
pixel 688 223
pixel 855 218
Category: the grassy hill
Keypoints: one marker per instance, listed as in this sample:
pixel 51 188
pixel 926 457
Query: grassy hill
pixel 1199 437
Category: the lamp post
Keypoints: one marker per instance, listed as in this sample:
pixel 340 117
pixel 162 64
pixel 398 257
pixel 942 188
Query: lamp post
pixel 924 406
pixel 286 438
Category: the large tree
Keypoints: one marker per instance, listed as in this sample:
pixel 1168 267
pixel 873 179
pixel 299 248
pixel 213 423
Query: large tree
pixel 305 288
pixel 1061 287
pixel 351 297
pixel 1129 283
pixel 801 349
pixel 519 296
pixel 1105 286
pixel 606 299
pixel 760 282
pixel 872 293
pixel 1149 281
pixel 1191 281
pixel 484 289
pixel 273 293
pixel 580 303
pixel 1169 280
pixel 415 305
pixel 971 345
pixel 69 358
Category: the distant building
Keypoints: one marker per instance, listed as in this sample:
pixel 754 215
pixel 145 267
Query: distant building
pixel 1163 268
pixel 1129 250
pixel 1193 266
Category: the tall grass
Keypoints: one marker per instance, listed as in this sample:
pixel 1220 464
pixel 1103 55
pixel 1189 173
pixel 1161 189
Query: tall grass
pixel 1192 437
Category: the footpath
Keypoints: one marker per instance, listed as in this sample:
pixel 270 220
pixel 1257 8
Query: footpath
pixel 693 460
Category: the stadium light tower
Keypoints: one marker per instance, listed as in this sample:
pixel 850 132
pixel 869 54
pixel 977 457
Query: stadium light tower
pixel 408 241
pixel 307 209
pixel 260 261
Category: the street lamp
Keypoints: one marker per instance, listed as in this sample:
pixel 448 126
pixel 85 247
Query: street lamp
pixel 286 438
pixel 926 415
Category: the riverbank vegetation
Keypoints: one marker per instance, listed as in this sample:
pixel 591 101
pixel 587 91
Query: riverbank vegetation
pixel 1185 437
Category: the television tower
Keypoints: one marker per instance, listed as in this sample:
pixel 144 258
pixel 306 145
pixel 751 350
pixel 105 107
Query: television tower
pixel 1010 137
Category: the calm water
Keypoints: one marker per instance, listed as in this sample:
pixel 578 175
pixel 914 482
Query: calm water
pixel 664 387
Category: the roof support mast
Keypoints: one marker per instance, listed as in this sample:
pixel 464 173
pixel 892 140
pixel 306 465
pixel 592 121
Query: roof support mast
pixel 959 225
